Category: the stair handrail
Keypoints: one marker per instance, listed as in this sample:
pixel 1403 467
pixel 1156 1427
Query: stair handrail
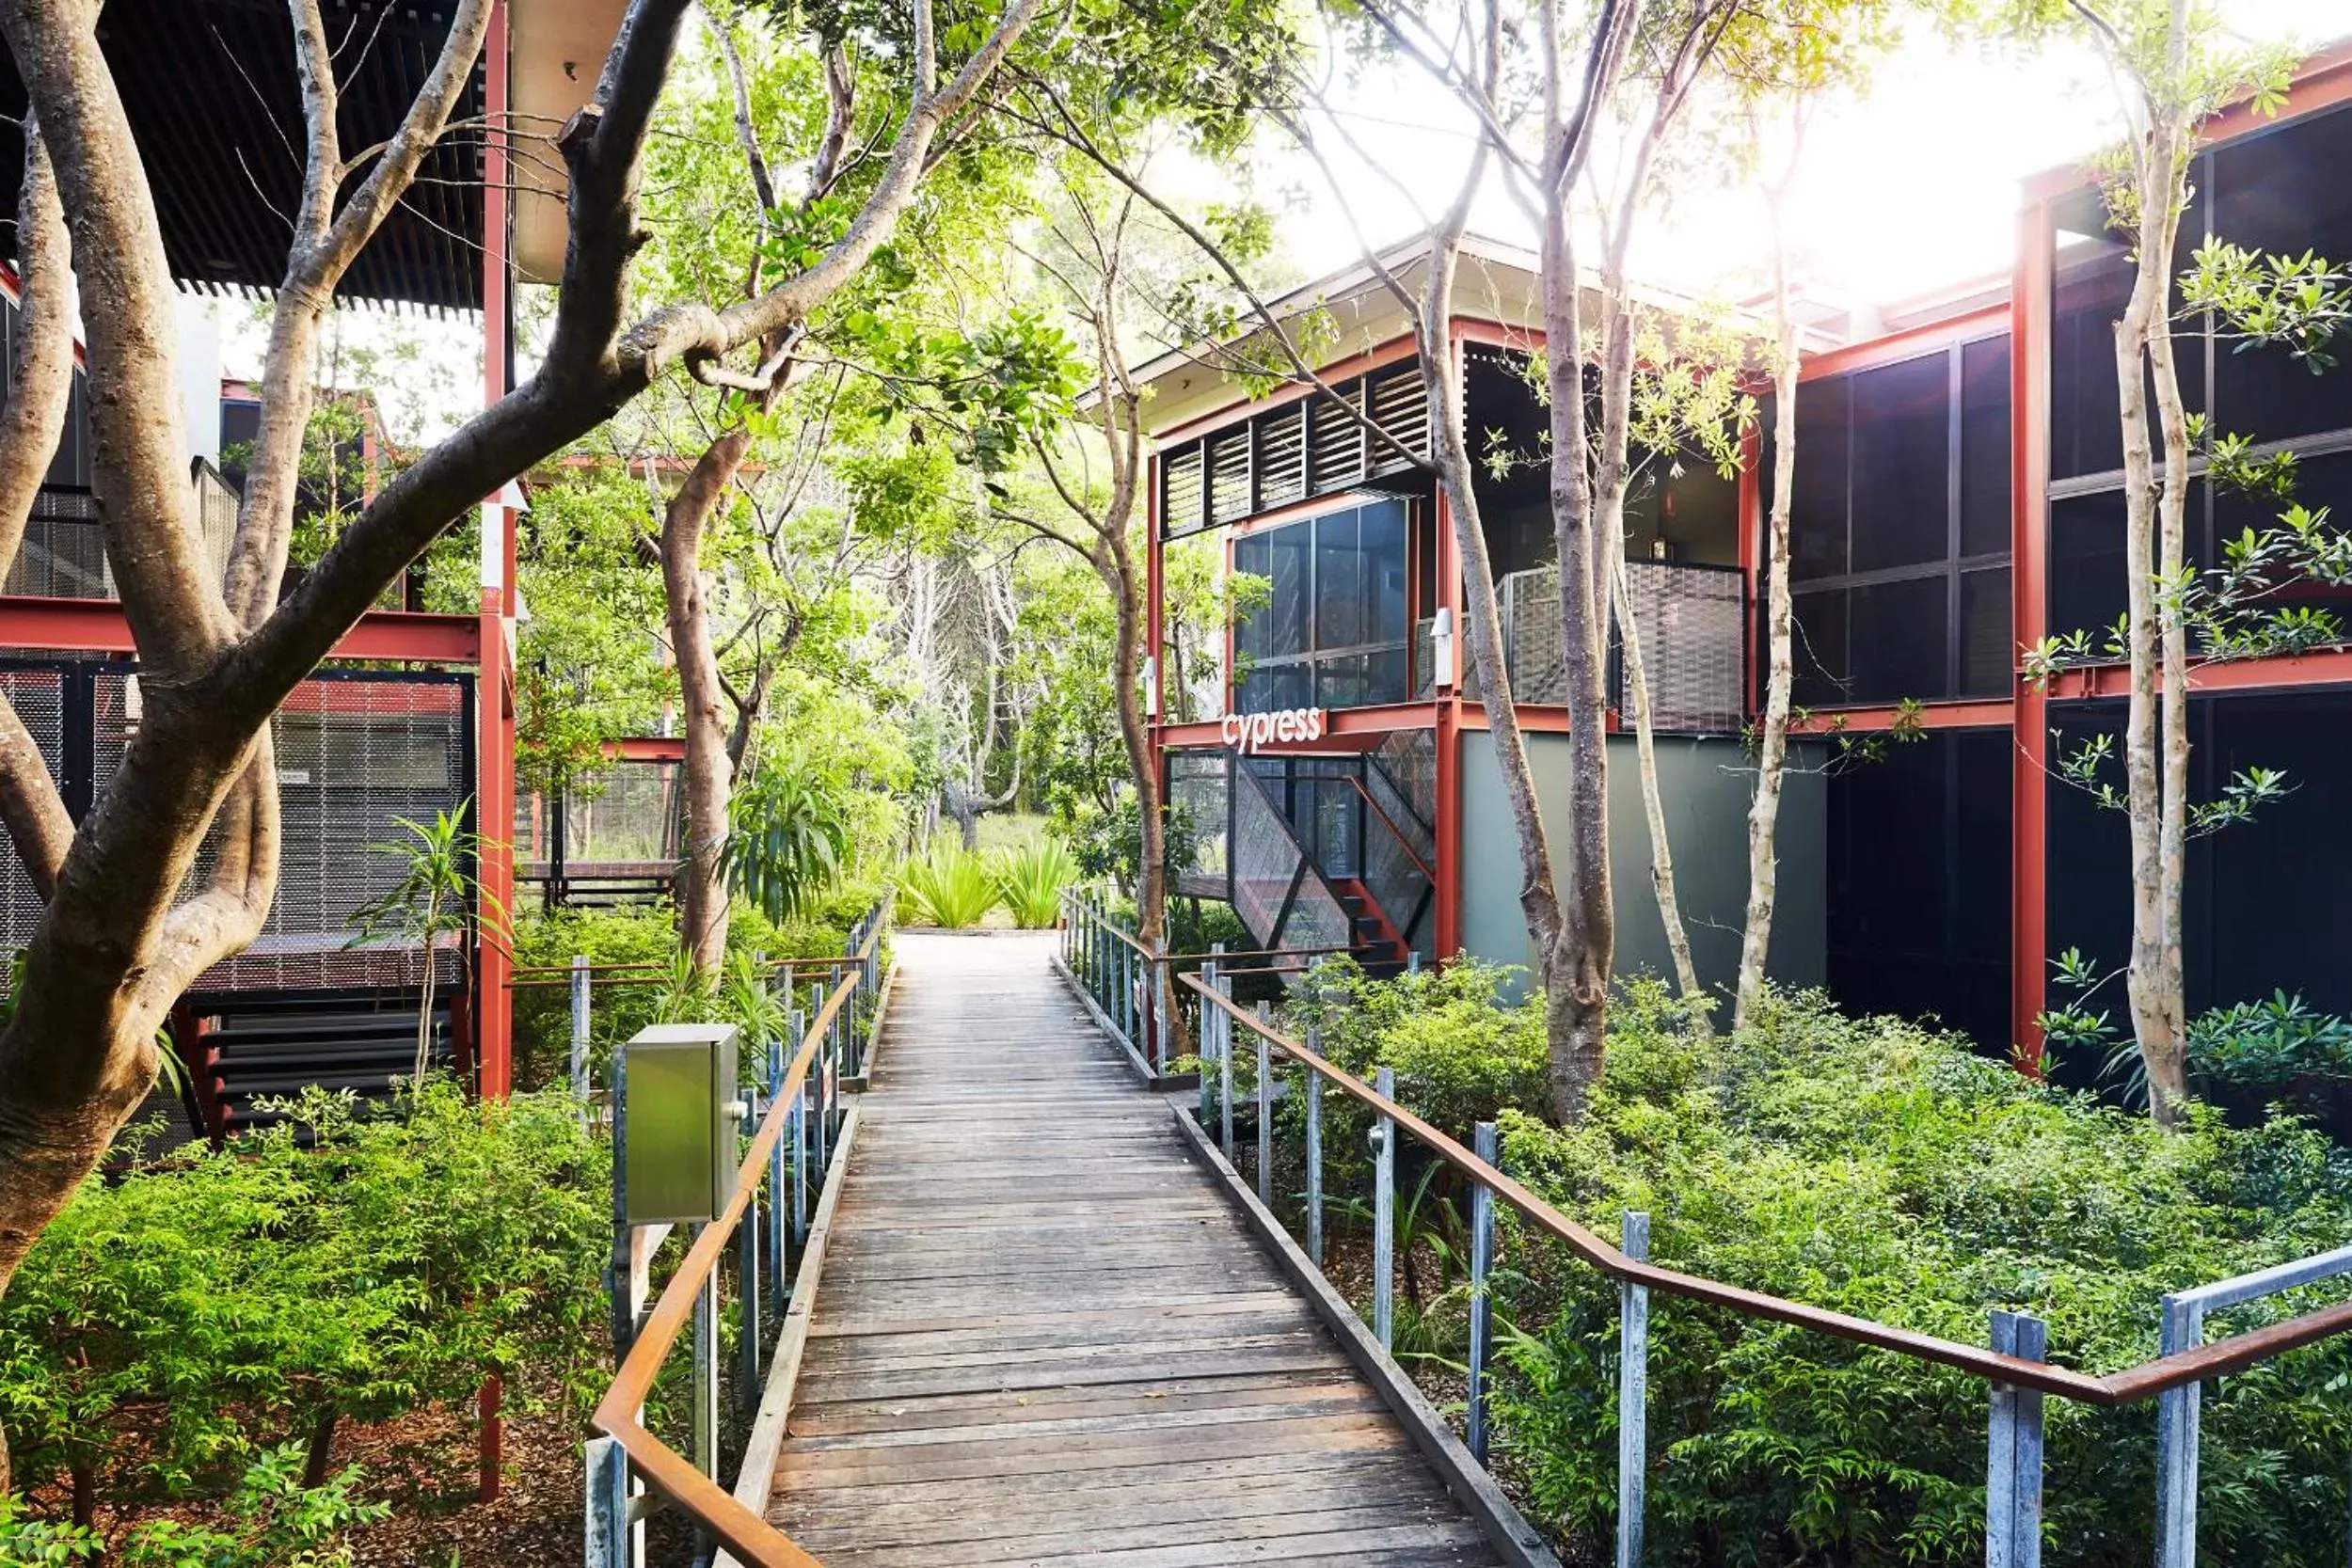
pixel 754 1542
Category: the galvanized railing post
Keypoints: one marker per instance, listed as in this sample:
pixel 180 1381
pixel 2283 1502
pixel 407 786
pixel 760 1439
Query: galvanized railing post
pixel 1265 1114
pixel 747 1264
pixel 624 1309
pixel 1208 1031
pixel 1225 1069
pixel 800 1138
pixel 580 1026
pixel 1314 1152
pixel 2178 1417
pixel 777 1202
pixel 822 1105
pixel 1480 1309
pixel 607 1531
pixel 2012 1477
pixel 1632 1394
pixel 706 1354
pixel 1384 1216
pixel 1155 1000
pixel 1126 1013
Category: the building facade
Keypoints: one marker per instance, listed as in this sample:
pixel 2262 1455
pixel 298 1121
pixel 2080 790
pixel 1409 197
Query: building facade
pixel 1958 497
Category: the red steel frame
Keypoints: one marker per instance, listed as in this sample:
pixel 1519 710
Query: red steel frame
pixel 494 796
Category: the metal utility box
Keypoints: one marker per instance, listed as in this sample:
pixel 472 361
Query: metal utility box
pixel 680 1104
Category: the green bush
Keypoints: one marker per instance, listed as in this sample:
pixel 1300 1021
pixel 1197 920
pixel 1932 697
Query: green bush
pixel 1461 1053
pixel 1874 1168
pixel 165 1324
pixel 951 886
pixel 274 1520
pixel 1030 880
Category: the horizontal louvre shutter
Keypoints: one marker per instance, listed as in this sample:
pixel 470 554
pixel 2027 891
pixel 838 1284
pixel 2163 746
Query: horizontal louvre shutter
pixel 1229 477
pixel 1339 448
pixel 1400 405
pixel 1281 459
pixel 1180 503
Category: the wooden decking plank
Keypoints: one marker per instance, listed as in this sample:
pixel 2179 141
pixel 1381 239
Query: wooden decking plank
pixel 1042 1336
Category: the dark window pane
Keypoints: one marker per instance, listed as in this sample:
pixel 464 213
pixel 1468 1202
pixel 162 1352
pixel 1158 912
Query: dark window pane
pixel 1385 565
pixel 1340 589
pixel 1272 687
pixel 1901 463
pixel 2094 278
pixel 2086 566
pixel 1987 658
pixel 2283 191
pixel 1984 455
pixel 1253 557
pixel 1286 614
pixel 1897 632
pixel 1817 648
pixel 1817 520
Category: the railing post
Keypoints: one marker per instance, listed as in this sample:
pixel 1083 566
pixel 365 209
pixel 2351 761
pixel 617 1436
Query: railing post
pixel 624 1307
pixel 2178 1416
pixel 1126 1011
pixel 2013 1476
pixel 1208 1030
pixel 777 1202
pixel 821 1104
pixel 800 1137
pixel 1632 1394
pixel 747 1265
pixel 1412 960
pixel 607 1531
pixel 1265 1114
pixel 1481 1310
pixel 705 1352
pixel 1225 1069
pixel 580 1026
pixel 1156 1000
pixel 1384 1216
pixel 1314 1152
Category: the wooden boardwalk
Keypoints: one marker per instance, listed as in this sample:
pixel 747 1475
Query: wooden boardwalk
pixel 1043 1336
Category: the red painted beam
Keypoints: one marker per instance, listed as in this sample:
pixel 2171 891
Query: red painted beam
pixel 647 748
pixel 97 627
pixel 1995 713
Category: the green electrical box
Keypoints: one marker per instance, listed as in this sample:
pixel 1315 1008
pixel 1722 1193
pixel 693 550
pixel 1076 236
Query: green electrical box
pixel 681 1113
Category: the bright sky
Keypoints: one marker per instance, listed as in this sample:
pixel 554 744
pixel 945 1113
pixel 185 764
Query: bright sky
pixel 1910 189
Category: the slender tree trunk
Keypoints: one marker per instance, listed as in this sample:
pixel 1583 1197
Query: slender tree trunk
pixel 2156 739
pixel 1661 859
pixel 703 903
pixel 1756 940
pixel 424 1004
pixel 319 1455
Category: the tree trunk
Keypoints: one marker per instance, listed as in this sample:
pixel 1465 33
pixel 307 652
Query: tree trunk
pixel 702 881
pixel 320 1454
pixel 2155 738
pixel 1577 1009
pixel 1661 859
pixel 1755 940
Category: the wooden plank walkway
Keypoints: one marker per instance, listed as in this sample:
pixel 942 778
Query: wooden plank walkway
pixel 1042 1336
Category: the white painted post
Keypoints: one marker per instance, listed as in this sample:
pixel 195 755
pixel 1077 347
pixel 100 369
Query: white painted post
pixel 607 1531
pixel 1480 1309
pixel 2178 1413
pixel 1632 1395
pixel 1384 1216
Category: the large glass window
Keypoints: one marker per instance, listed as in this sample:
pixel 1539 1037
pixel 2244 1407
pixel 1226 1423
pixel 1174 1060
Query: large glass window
pixel 1334 630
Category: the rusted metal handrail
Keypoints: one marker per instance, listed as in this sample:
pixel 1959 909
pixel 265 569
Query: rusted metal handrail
pixel 754 1542
pixel 2127 1386
pixel 655 966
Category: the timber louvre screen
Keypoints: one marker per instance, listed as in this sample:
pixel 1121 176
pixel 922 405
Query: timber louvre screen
pixel 1308 448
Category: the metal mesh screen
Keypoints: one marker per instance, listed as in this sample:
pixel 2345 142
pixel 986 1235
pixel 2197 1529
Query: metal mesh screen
pixel 355 756
pixel 1399 853
pixel 1264 857
pixel 1197 784
pixel 1688 618
pixel 1530 636
pixel 38 698
pixel 626 823
pixel 64 554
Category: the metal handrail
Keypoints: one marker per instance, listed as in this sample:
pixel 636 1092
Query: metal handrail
pixel 1398 833
pixel 2144 1381
pixel 752 1539
pixel 656 966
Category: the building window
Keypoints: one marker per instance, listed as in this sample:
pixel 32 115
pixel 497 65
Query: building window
pixel 1334 630
pixel 1900 530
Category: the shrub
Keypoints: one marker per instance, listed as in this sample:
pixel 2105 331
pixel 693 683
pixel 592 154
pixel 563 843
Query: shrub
pixel 1030 881
pixel 789 833
pixel 951 886
pixel 273 1521
pixel 164 1323
pixel 1868 1166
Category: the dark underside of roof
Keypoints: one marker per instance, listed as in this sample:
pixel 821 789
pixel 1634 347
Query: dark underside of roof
pixel 214 104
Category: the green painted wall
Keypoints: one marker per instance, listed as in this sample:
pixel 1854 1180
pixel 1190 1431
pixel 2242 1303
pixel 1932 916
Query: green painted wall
pixel 1707 783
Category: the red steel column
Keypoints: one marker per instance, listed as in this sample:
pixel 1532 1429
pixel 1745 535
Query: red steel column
pixel 1448 583
pixel 2030 300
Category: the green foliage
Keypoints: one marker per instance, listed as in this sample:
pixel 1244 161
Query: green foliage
pixel 1462 1053
pixel 788 835
pixel 272 1521
pixel 951 886
pixel 164 1323
pixel 1109 844
pixel 1030 880
pixel 1873 1168
pixel 436 896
